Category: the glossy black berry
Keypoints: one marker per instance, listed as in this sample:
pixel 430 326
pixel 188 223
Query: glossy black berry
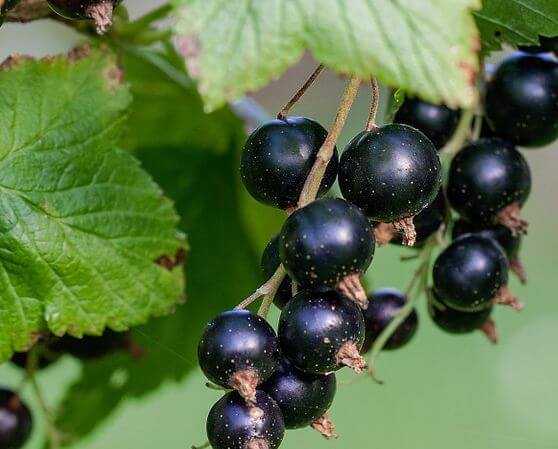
pixel 92 347
pixel 16 421
pixel 469 273
pixel 238 346
pixel 485 178
pixel 509 243
pixel 278 157
pixel 384 304
pixel 326 241
pixel 269 263
pixel 76 9
pixel 302 397
pixel 436 121
pixel 234 424
pixel 428 221
pixel 320 331
pixel 522 100
pixel 391 172
pixel 455 321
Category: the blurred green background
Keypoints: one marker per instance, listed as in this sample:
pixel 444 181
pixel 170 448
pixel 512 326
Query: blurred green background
pixel 441 391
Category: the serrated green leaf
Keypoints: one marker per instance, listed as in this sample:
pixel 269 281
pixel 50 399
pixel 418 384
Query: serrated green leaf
pixel 81 224
pixel 426 47
pixel 201 175
pixel 516 22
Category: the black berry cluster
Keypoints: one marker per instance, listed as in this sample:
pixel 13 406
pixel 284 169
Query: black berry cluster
pixel 390 177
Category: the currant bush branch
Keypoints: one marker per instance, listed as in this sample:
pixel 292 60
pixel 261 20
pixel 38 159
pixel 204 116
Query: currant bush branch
pixel 420 281
pixel 284 112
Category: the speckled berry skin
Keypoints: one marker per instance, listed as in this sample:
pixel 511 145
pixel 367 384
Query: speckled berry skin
pixel 511 244
pixel 278 157
pixel 428 221
pixel 314 325
pixel 269 264
pixel 326 241
pixel 302 397
pixel 16 421
pixel 436 121
pixel 383 305
pixel 75 9
pixel 391 172
pixel 232 424
pixel 469 272
pixel 486 177
pixel 238 340
pixel 454 321
pixel 522 100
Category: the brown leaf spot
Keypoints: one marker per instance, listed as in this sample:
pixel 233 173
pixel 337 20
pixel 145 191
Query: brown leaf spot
pixel 171 262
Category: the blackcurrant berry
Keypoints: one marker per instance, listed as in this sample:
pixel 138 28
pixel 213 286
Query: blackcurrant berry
pixel 392 172
pixel 547 45
pixel 91 347
pixel 472 273
pixel 328 243
pixel 269 263
pixel 100 11
pixel 16 421
pixel 488 182
pixel 302 397
pixel 436 121
pixel 239 350
pixel 510 243
pixel 522 100
pixel 426 222
pixel 234 424
pixel 384 305
pixel 321 331
pixel 455 321
pixel 278 157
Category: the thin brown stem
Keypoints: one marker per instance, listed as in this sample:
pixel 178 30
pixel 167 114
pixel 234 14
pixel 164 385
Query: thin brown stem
pixel 270 287
pixel 460 135
pixel 312 184
pixel 371 124
pixel 283 113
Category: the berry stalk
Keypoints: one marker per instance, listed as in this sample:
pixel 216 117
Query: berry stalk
pixel 283 113
pixel 371 124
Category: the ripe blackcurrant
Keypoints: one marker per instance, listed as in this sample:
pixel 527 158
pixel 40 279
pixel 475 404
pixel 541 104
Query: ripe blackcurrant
pixel 302 397
pixel 92 347
pixel 455 321
pixel 239 350
pixel 16 421
pixel 384 305
pixel 436 121
pixel 510 243
pixel 100 11
pixel 328 243
pixel 321 331
pixel 488 182
pixel 392 172
pixel 522 100
pixel 234 424
pixel 472 273
pixel 269 263
pixel 426 222
pixel 278 157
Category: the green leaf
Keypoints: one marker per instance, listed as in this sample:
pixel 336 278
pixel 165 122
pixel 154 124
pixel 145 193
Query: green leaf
pixel 200 173
pixel 516 22
pixel 426 47
pixel 82 225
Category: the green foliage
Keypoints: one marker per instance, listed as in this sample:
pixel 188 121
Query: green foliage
pixel 196 164
pixel 423 46
pixel 516 22
pixel 82 225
